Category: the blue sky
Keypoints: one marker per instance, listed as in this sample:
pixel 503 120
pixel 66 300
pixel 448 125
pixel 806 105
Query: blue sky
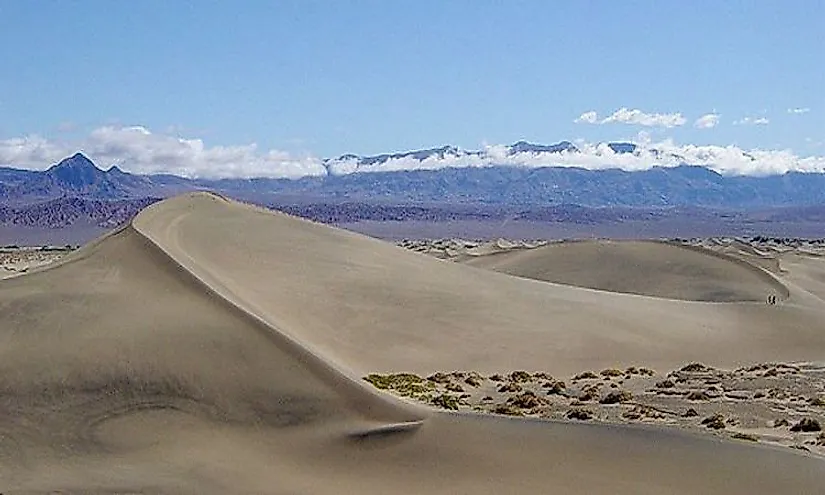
pixel 311 78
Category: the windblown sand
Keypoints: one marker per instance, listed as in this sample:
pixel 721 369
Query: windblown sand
pixel 213 347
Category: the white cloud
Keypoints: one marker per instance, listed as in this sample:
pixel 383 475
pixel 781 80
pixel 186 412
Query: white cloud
pixel 799 110
pixel 138 150
pixel 707 121
pixel 638 117
pixel 753 121
pixel 590 117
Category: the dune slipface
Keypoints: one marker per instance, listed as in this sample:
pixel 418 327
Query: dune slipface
pixel 212 347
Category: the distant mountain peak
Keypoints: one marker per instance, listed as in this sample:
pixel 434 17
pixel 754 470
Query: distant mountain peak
pixel 78 161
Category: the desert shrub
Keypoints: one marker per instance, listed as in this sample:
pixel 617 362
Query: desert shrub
pixel 404 384
pixel 454 387
pixel 611 373
pixel 520 376
pixel 486 398
pixel 646 372
pixel 474 380
pixel 587 375
pixel 439 377
pixel 806 425
pixel 589 394
pixel 695 368
pixel 778 423
pixel 666 383
pixel 745 436
pixel 526 400
pixel 690 413
pixel 497 378
pixel 445 401
pixel 818 401
pixel 555 388
pixel 714 422
pixel 507 409
pixel 579 414
pixel 698 395
pixel 510 387
pixel 615 397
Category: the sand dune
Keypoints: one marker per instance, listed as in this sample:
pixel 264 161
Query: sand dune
pixel 648 268
pixel 212 347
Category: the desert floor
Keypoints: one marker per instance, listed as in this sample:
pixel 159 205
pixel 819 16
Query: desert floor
pixel 215 347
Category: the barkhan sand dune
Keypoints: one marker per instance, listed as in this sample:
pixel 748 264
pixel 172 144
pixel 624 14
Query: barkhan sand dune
pixel 213 347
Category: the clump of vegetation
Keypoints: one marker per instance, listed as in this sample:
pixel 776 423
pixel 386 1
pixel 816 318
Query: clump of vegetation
pixel 526 400
pixel 698 395
pixel 646 372
pixel 611 373
pixel 589 393
pixel 403 384
pixel 556 388
pixel 818 401
pixel 666 383
pixel 641 411
pixel 510 387
pixel 486 398
pixel 714 422
pixel 778 423
pixel 507 409
pixel 497 378
pixel 520 377
pixel 579 414
pixel 695 368
pixel 616 397
pixel 587 375
pixel 439 377
pixel 541 375
pixel 454 387
pixel 745 436
pixel 474 380
pixel 690 413
pixel 820 439
pixel 806 425
pixel 445 401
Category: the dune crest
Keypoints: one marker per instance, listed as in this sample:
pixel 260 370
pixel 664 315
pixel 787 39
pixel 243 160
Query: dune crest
pixel 213 347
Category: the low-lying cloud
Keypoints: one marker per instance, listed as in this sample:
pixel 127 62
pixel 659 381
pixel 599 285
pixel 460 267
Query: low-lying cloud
pixel 138 150
pixel 634 117
pixel 752 121
pixel 707 121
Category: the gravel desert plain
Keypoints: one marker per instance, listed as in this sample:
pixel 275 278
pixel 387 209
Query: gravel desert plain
pixel 210 346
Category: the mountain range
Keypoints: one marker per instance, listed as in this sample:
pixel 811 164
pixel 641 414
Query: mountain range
pixel 77 190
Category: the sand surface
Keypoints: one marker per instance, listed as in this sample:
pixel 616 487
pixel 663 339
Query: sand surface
pixel 214 347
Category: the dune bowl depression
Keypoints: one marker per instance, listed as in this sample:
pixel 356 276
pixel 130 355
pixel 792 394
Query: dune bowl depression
pixel 214 347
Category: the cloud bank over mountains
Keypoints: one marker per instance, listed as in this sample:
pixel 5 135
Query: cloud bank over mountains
pixel 138 150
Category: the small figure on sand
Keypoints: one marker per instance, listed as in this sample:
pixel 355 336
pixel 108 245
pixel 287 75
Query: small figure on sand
pixel 771 299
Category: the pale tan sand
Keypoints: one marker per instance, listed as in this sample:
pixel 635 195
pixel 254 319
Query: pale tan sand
pixel 212 347
pixel 638 267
